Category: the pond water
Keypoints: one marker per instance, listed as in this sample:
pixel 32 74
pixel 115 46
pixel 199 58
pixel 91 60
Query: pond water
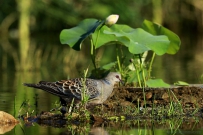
pixel 13 94
pixel 124 130
pixel 186 65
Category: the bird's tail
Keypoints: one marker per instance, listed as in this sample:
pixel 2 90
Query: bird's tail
pixel 48 87
pixel 31 85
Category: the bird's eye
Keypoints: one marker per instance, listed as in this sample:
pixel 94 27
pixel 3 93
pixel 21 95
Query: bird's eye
pixel 117 76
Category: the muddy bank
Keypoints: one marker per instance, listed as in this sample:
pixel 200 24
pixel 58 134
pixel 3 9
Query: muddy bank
pixel 128 103
pixel 188 96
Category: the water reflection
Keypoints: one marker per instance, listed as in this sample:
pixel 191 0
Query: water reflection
pixel 13 94
pixel 98 131
pixel 52 61
pixel 6 128
pixel 132 127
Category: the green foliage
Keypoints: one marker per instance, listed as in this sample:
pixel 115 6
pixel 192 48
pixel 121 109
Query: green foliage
pixel 84 95
pixel 151 37
pixel 75 36
pixel 181 83
pixel 135 76
pixel 137 40
pixel 156 29
pixel 109 66
pixel 157 83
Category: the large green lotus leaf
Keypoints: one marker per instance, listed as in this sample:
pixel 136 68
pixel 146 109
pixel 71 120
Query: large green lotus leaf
pixel 76 35
pixel 100 37
pixel 118 30
pixel 143 41
pixel 155 83
pixel 156 29
pixel 140 40
pixel 137 48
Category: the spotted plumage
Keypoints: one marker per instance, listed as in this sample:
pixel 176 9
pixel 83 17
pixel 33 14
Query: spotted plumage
pixel 98 90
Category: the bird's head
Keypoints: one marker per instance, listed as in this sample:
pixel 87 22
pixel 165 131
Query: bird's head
pixel 113 77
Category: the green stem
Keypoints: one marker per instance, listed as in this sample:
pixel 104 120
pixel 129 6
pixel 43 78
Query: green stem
pixel 93 50
pixel 118 60
pixel 150 65
pixel 143 90
pixel 97 38
pixel 141 68
pixel 92 46
pixel 93 54
pixel 140 58
pixel 181 108
pixel 138 77
pixel 119 64
pixel 137 69
pixel 143 74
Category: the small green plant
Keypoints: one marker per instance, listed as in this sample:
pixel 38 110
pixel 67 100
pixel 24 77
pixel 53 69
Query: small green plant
pixel 139 41
pixel 25 108
pixel 174 125
pixel 84 95
pixel 84 113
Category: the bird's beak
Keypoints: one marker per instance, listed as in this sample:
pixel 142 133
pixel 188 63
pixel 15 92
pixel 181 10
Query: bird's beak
pixel 121 81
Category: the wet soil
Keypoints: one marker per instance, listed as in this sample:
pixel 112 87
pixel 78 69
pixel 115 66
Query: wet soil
pixel 188 96
pixel 125 101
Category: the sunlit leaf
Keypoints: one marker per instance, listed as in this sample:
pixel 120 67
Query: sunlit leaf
pixel 102 37
pixel 76 35
pixel 119 31
pixel 109 66
pixel 156 29
pixel 139 40
pixel 157 83
pixel 181 83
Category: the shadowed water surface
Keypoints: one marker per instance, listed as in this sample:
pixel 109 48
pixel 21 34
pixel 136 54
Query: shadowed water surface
pixel 54 61
pixel 171 68
pixel 13 94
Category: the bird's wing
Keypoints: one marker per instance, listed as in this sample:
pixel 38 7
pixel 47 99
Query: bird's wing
pixel 93 87
pixel 69 88
pixel 75 87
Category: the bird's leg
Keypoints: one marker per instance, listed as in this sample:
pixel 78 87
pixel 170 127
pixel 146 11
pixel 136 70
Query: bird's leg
pixel 71 106
pixel 65 107
pixel 62 108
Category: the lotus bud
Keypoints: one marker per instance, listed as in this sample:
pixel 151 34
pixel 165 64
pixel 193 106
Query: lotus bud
pixel 112 19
